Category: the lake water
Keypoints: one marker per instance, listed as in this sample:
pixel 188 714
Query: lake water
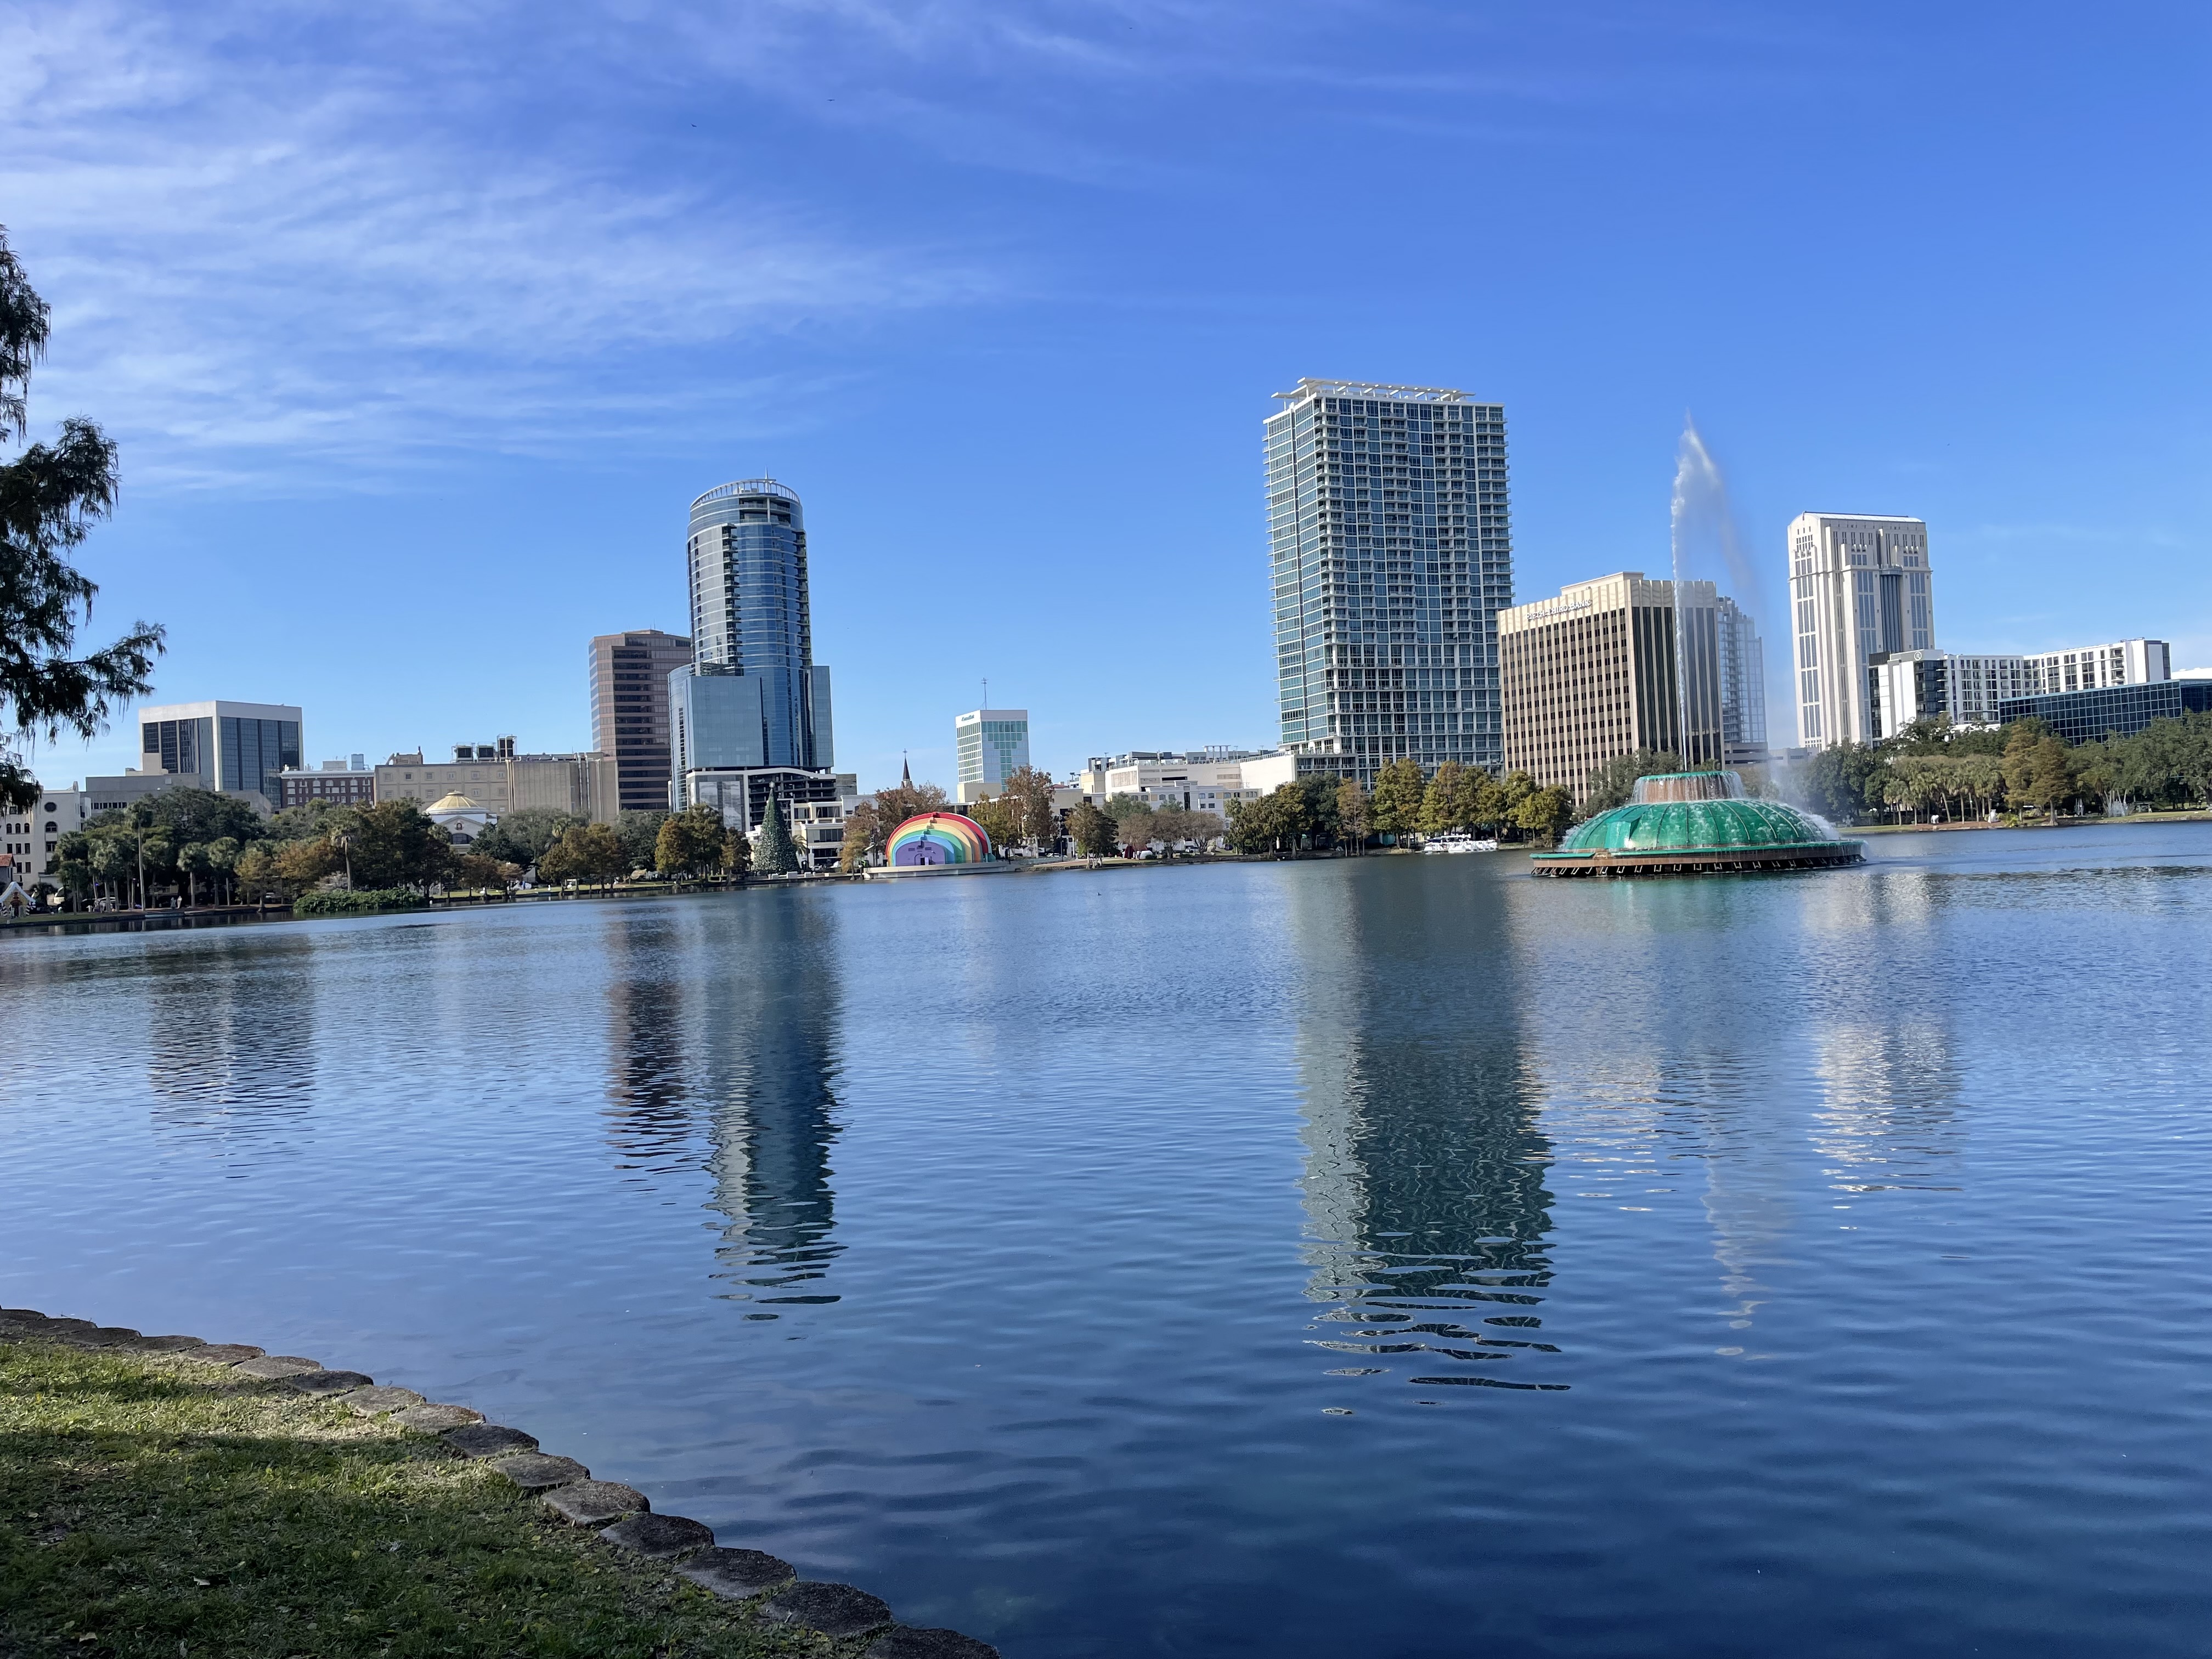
pixel 1385 1258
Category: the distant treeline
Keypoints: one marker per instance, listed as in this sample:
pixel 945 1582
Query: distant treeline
pixel 1931 770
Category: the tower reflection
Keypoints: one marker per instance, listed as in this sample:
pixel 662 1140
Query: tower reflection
pixel 1426 1205
pixel 734 1072
pixel 231 1039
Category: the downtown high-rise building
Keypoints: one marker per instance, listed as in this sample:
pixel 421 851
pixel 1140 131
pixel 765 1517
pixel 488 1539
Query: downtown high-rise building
pixel 238 748
pixel 1860 587
pixel 629 711
pixel 1591 674
pixel 1392 555
pixel 752 697
pixel 1743 685
pixel 990 745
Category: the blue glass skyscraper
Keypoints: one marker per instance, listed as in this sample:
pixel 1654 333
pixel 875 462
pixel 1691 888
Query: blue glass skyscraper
pixel 753 695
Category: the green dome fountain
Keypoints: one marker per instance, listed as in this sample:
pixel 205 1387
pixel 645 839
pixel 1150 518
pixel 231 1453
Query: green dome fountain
pixel 1683 823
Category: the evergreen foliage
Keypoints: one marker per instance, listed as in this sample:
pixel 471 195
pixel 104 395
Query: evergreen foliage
pixel 1092 831
pixel 50 496
pixel 586 852
pixel 1399 790
pixel 1613 784
pixel 1353 821
pixel 690 844
pixel 337 901
pixel 521 837
pixel 777 855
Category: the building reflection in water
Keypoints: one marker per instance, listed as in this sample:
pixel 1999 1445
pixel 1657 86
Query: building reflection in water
pixel 1885 1110
pixel 1427 1211
pixel 1890 1112
pixel 733 1070
pixel 231 1041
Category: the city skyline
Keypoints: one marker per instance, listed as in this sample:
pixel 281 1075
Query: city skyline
pixel 1013 297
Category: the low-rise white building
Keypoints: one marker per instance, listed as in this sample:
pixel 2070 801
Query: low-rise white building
pixel 2089 667
pixel 1205 780
pixel 1905 686
pixel 29 840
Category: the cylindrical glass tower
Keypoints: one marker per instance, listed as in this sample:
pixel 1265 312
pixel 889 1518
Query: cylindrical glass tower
pixel 750 614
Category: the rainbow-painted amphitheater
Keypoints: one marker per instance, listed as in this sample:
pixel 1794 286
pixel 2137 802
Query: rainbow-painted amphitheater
pixel 936 839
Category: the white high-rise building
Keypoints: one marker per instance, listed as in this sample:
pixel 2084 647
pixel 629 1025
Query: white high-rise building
pixel 1860 586
pixel 992 744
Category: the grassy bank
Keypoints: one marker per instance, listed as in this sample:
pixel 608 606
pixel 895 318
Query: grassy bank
pixel 155 1506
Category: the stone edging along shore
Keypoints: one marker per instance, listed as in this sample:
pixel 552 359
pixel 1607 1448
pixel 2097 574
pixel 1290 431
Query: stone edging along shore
pixel 620 1514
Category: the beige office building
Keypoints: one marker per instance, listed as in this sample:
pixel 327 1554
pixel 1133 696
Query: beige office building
pixel 502 782
pixel 1590 674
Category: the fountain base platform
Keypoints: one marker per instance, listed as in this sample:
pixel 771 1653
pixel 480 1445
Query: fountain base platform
pixel 1701 861
pixel 1696 824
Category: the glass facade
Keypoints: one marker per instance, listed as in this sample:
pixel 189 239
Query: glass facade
pixel 1743 684
pixel 1393 554
pixel 253 753
pixel 750 612
pixel 236 752
pixel 2112 710
pixel 991 745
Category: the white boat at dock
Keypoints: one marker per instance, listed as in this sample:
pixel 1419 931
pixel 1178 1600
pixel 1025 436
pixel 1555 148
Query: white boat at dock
pixel 1457 842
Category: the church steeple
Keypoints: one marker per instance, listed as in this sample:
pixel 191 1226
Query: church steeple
pixel 906 772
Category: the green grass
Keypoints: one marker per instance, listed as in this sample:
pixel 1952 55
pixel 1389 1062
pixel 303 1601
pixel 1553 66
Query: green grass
pixel 151 1506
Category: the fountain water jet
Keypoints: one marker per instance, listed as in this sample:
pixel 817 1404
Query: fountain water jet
pixel 1696 822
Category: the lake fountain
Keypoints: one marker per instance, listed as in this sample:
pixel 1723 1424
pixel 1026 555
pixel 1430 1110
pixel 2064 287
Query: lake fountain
pixel 1696 824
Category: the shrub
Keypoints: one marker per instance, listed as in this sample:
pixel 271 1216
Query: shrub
pixel 336 902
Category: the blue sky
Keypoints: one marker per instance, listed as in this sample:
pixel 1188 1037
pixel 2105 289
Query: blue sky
pixel 420 326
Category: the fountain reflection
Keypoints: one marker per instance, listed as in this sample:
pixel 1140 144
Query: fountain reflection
pixel 736 1075
pixel 1425 1188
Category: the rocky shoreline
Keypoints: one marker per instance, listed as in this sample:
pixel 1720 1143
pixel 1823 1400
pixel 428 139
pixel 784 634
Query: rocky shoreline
pixel 758 1585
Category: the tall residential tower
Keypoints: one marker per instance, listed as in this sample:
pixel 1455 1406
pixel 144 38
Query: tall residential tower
pixel 1859 586
pixel 1393 556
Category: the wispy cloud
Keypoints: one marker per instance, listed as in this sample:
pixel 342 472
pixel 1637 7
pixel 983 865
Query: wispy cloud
pixel 311 241
pixel 257 252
